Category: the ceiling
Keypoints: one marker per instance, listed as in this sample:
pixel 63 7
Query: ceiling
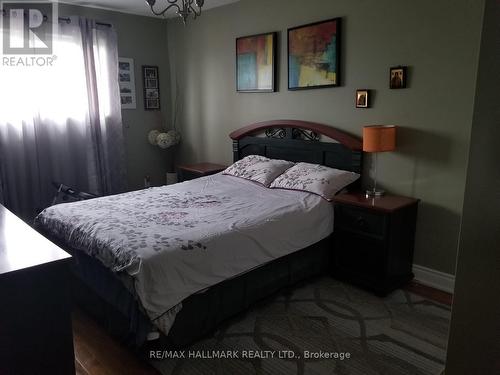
pixel 138 6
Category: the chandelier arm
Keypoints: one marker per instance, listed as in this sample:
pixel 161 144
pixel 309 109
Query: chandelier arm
pixel 188 7
pixel 172 5
pixel 196 13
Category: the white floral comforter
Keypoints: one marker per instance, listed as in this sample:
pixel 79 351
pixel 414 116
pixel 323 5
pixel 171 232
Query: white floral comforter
pixel 180 239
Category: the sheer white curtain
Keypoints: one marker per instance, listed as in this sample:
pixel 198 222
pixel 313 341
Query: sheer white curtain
pixel 62 123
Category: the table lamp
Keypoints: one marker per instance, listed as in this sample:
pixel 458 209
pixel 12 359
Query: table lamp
pixel 378 138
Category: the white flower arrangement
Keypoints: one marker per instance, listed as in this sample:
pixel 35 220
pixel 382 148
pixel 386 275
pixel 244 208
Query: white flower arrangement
pixel 152 137
pixel 164 140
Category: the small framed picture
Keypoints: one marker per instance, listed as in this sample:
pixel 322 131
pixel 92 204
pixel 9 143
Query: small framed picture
pixel 150 73
pixel 124 77
pixel 397 77
pixel 126 81
pixel 362 98
pixel 151 83
pixel 152 104
pixel 151 80
pixel 126 100
pixel 152 94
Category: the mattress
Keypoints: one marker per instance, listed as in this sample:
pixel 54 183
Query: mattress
pixel 174 241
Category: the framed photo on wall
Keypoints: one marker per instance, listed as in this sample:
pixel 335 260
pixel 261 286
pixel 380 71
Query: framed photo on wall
pixel 256 63
pixel 314 55
pixel 397 77
pixel 151 79
pixel 126 81
pixel 362 98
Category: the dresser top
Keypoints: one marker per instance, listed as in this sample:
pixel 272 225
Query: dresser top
pixel 22 247
pixel 386 203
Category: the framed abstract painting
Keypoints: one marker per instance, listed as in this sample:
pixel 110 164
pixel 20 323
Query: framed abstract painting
pixel 314 55
pixel 256 63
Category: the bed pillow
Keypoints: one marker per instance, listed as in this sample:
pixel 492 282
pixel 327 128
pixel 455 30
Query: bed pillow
pixel 258 168
pixel 316 179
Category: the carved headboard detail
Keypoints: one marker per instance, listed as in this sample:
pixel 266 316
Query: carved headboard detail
pixel 299 141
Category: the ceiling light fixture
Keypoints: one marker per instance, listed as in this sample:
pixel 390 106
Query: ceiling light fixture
pixel 185 8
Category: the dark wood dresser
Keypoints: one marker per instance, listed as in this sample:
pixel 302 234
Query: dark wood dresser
pixel 374 240
pixel 35 311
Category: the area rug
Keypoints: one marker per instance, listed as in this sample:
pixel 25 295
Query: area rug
pixel 323 327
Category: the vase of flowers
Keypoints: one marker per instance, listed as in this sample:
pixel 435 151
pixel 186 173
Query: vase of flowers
pixel 165 140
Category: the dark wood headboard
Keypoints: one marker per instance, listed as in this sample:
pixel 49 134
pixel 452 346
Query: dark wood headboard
pixel 299 141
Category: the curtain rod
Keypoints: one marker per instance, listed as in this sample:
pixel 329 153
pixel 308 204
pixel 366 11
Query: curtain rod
pixel 66 19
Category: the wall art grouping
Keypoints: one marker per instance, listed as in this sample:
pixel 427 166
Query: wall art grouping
pixel 313 58
pixel 313 61
pixel 126 80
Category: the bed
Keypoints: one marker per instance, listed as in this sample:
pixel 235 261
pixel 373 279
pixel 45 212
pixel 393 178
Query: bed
pixel 230 241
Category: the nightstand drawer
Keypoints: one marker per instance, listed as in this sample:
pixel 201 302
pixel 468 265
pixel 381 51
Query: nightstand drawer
pixel 360 221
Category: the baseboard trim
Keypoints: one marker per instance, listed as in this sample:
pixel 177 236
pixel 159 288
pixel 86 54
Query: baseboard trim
pixel 436 279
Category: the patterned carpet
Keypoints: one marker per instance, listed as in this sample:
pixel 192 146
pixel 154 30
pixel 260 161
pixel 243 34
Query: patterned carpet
pixel 400 334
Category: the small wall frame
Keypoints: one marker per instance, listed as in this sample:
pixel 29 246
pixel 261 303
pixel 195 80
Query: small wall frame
pixel 126 81
pixel 398 77
pixel 151 80
pixel 362 98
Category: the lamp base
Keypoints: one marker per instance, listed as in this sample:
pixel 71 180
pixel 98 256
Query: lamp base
pixel 374 193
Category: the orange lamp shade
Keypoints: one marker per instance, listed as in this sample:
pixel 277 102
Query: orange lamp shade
pixel 379 138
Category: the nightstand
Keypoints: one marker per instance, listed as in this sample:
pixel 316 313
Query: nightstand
pixel 374 240
pixel 191 171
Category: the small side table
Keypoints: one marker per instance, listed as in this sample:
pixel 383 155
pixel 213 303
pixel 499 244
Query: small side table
pixel 191 171
pixel 373 240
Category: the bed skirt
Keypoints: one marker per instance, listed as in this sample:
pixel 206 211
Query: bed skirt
pixel 99 293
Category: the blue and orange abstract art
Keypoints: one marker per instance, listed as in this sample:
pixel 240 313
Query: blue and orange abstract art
pixel 313 55
pixel 255 63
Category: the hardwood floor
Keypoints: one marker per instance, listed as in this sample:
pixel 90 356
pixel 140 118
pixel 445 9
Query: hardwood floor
pixel 96 353
pixel 430 293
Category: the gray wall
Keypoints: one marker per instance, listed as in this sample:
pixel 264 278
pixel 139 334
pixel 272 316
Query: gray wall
pixel 438 40
pixel 474 346
pixel 143 39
